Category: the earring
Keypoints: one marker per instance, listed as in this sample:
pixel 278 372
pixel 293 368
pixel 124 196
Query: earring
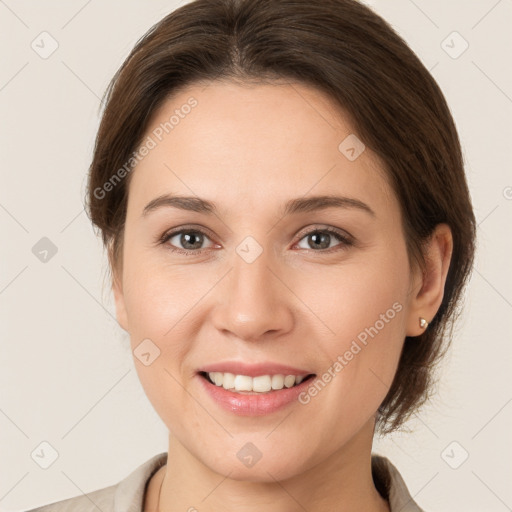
pixel 423 323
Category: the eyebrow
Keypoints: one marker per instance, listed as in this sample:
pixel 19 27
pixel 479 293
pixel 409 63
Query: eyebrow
pixel 293 206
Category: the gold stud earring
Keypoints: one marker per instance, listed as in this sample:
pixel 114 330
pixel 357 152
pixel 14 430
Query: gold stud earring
pixel 423 323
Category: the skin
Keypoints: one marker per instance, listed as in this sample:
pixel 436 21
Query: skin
pixel 249 149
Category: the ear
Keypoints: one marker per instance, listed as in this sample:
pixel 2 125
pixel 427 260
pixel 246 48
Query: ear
pixel 117 288
pixel 121 315
pixel 428 286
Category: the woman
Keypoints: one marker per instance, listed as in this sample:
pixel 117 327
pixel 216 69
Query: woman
pixel 281 191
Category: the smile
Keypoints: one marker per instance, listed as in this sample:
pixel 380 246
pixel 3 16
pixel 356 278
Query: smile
pixel 257 384
pixel 247 402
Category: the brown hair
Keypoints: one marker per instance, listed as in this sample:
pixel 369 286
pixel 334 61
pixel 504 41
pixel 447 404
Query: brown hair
pixel 344 49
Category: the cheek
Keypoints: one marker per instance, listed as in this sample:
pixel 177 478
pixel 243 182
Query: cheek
pixel 162 306
pixel 352 296
pixel 158 296
pixel 362 311
pixel 159 305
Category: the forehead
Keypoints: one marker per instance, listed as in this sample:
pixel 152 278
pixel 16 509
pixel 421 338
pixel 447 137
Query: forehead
pixel 263 143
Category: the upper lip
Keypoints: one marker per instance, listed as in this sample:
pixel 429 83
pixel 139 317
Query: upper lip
pixel 253 369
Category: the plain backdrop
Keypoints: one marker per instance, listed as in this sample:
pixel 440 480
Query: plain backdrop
pixel 67 377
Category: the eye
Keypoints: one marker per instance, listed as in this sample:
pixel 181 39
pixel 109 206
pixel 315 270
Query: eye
pixel 191 240
pixel 322 238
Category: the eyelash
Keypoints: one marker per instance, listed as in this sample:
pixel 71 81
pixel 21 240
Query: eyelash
pixel 346 241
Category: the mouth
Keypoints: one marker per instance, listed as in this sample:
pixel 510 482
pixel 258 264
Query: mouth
pixel 259 385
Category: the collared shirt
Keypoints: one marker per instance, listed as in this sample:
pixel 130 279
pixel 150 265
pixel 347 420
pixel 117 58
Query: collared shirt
pixel 129 494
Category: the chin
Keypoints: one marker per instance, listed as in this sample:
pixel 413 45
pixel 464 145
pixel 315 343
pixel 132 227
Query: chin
pixel 260 472
pixel 252 465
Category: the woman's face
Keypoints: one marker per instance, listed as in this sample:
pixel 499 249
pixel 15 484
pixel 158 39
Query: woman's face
pixel 255 283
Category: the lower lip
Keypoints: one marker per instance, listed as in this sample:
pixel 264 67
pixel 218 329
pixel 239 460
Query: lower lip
pixel 253 405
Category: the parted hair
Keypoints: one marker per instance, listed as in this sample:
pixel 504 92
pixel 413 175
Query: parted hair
pixel 344 49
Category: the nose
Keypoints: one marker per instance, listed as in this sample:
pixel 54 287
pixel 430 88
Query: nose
pixel 253 304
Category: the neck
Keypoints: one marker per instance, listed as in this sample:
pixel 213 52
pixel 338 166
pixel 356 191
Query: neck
pixel 342 482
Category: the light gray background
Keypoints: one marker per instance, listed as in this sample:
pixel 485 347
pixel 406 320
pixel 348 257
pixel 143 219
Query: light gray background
pixel 66 374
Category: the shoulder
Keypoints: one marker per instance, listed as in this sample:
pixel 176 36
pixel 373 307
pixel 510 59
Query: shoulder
pixel 391 485
pixel 102 499
pixel 128 494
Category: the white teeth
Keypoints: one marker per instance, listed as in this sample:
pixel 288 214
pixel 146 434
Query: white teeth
pixel 228 381
pixel 262 384
pixel 277 381
pixel 242 382
pixel 289 381
pixel 259 384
